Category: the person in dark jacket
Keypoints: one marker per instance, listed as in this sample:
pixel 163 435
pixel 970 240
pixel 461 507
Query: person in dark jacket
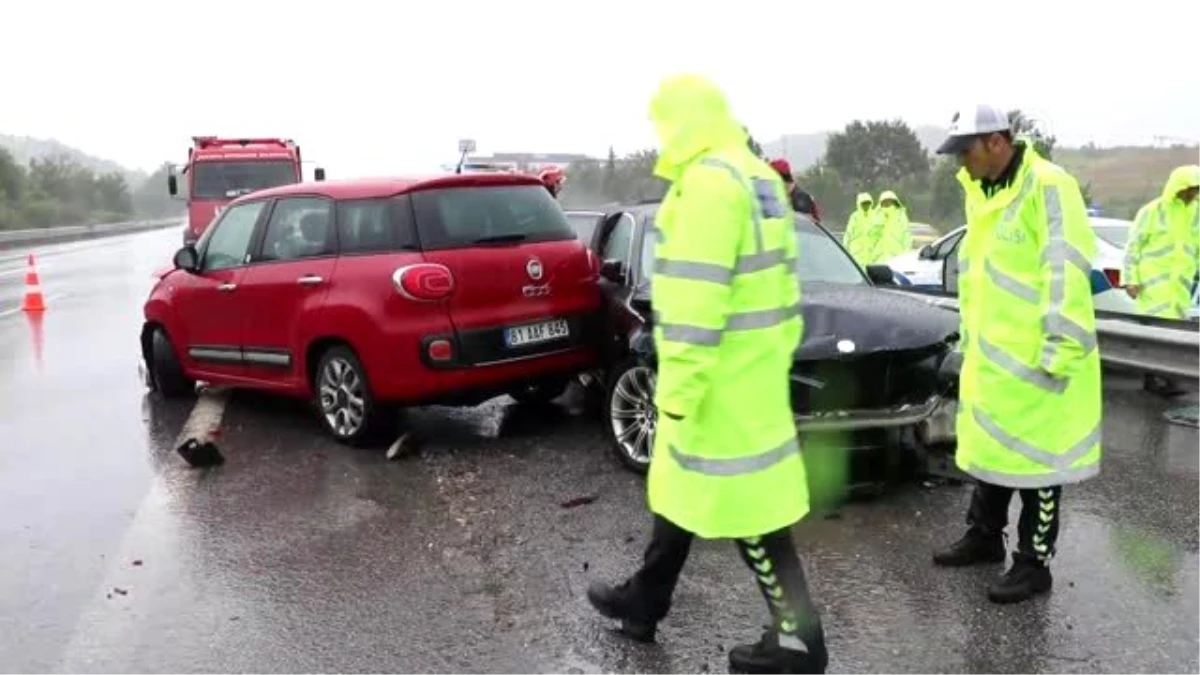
pixel 802 202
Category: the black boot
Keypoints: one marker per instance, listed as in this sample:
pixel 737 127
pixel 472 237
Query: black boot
pixel 1026 578
pixel 974 548
pixel 766 656
pixel 614 602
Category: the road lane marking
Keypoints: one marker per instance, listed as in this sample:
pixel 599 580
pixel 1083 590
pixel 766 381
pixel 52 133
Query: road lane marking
pixel 109 632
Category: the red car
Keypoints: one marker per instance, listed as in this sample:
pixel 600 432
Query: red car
pixel 369 294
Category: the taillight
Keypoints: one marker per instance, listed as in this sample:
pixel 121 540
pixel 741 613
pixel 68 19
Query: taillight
pixel 1114 277
pixel 424 282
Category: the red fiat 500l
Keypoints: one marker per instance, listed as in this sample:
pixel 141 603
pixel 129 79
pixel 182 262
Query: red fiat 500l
pixel 371 293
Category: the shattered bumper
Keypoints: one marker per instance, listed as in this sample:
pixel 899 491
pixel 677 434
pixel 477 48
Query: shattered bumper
pixel 932 418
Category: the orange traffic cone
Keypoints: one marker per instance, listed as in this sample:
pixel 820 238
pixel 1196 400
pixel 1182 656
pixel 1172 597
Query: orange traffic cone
pixel 34 302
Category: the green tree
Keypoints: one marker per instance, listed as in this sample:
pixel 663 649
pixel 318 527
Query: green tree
pixel 1025 125
pixel 876 155
pixel 945 195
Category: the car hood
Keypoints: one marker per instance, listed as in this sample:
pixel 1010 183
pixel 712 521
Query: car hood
pixel 842 321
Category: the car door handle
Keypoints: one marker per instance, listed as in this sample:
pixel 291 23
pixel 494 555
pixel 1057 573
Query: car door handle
pixel 226 287
pixel 309 280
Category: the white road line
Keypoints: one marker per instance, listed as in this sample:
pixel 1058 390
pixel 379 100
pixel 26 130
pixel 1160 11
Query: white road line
pixel 47 300
pixel 108 631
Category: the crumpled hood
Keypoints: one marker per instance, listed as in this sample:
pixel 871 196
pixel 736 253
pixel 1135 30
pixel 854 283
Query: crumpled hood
pixel 691 115
pixel 873 319
pixel 863 198
pixel 888 194
pixel 1181 178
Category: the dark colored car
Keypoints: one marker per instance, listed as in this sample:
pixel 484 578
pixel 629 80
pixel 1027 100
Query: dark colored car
pixel 876 367
pixel 368 294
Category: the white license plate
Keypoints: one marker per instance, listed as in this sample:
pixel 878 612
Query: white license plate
pixel 519 336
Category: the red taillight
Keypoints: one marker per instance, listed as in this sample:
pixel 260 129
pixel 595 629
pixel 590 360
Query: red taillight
pixel 425 282
pixel 1114 277
pixel 440 350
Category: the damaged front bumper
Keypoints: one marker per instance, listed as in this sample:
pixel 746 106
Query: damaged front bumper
pixel 933 419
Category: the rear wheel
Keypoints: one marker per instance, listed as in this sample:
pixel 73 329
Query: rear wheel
pixel 632 418
pixel 540 391
pixel 166 373
pixel 345 403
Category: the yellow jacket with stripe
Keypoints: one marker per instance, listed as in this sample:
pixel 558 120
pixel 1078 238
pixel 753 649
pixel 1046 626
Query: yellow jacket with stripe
pixel 1161 254
pixel 1030 390
pixel 726 461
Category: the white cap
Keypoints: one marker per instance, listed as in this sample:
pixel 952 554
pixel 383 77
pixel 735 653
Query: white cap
pixel 970 122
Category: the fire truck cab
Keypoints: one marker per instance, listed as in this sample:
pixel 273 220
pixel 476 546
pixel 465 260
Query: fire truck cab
pixel 219 170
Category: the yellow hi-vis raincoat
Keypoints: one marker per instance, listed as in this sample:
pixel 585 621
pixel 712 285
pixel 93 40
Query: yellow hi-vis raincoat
pixel 891 226
pixel 1030 389
pixel 859 238
pixel 726 305
pixel 1161 255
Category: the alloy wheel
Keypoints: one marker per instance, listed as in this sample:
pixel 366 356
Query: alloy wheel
pixel 632 413
pixel 342 399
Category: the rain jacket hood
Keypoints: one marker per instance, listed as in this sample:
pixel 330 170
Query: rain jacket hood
pixel 888 194
pixel 864 199
pixel 1181 178
pixel 691 116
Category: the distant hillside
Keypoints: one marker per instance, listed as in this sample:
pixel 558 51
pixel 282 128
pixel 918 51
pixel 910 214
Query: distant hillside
pixel 1124 178
pixel 25 148
pixel 803 150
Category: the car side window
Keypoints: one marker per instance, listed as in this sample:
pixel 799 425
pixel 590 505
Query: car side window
pixel 299 227
pixel 375 225
pixel 229 243
pixel 616 246
pixel 946 247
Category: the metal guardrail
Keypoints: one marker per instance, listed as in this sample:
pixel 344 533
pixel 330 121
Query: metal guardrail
pixel 1140 343
pixel 48 235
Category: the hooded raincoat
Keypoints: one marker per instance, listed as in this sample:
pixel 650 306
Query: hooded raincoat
pixel 860 238
pixel 726 461
pixel 890 224
pixel 1161 254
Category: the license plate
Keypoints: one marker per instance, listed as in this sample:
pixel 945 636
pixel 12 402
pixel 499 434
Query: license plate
pixel 519 336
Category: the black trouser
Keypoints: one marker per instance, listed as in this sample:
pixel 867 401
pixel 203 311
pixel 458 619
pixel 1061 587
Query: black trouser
pixel 1037 528
pixel 776 567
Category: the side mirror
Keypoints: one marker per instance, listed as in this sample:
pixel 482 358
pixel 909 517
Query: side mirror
pixel 926 252
pixel 613 270
pixel 881 275
pixel 187 259
pixel 319 174
pixel 172 185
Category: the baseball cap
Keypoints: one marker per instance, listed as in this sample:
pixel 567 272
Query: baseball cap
pixel 782 167
pixel 971 122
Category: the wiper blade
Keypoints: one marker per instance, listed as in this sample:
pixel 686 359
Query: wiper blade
pixel 501 239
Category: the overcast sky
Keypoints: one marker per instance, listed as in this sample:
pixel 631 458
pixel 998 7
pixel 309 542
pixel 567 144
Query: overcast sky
pixel 370 88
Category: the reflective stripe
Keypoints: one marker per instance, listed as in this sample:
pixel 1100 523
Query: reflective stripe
pixel 1056 327
pixel 1025 480
pixel 1159 308
pixel 1032 376
pixel 719 274
pixel 1010 284
pixel 755 209
pixel 711 337
pixel 1050 460
pixel 1156 280
pixel 735 466
pixel 1157 253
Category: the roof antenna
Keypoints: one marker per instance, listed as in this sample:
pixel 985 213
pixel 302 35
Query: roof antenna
pixel 465 145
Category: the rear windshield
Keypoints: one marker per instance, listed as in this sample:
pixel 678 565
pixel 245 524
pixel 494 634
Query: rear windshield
pixel 488 215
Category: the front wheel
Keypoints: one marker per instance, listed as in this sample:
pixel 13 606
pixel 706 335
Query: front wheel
pixel 632 419
pixel 166 373
pixel 345 403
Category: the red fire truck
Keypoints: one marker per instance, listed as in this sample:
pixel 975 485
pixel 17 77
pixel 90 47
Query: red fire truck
pixel 218 170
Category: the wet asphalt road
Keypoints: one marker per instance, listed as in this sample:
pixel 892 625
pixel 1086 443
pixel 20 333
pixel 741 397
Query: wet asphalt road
pixel 302 555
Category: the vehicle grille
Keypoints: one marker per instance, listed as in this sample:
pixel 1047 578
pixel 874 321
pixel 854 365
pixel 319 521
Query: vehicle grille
pixel 867 381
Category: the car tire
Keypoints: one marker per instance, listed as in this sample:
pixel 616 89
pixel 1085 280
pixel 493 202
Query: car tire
pixel 345 403
pixel 166 372
pixel 539 392
pixel 630 417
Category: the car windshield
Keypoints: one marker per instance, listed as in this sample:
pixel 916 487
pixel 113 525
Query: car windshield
pixel 1115 232
pixel 227 180
pixel 820 259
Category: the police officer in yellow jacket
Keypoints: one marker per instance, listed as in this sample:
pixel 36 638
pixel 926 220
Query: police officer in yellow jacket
pixel 1030 391
pixel 859 238
pixel 726 463
pixel 1161 254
